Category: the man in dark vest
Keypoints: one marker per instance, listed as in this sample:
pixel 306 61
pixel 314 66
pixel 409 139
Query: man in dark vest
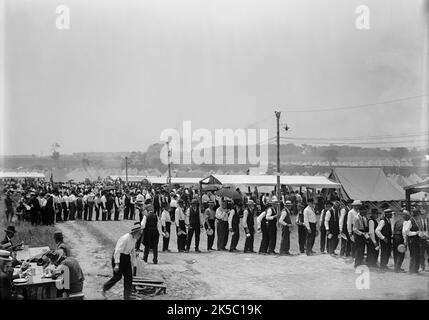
pixel 286 223
pixel 209 224
pixel 179 220
pixel 372 245
pixel 233 224
pixel 195 225
pixel 249 226
pixel 332 227
pixel 384 233
pixel 109 205
pixel 328 206
pixel 222 225
pixel 345 250
pixel 79 206
pixel 157 203
pixel 271 218
pixel 127 205
pixel 398 239
pixel 151 226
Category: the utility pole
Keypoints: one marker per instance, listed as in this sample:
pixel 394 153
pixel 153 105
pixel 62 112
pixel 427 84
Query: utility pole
pixel 169 166
pixel 278 161
pixel 126 170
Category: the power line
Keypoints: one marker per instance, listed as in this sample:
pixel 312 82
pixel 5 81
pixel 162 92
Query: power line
pixel 409 135
pixel 355 142
pixel 336 108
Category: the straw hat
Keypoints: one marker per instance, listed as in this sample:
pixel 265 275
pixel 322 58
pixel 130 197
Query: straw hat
pixel 5 255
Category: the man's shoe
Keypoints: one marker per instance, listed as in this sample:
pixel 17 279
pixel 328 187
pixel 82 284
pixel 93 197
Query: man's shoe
pixel 155 262
pixel 197 250
pixel 323 252
pixel 103 293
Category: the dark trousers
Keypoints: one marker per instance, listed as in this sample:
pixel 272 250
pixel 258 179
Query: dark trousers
pixel 151 239
pixel 79 213
pixel 398 257
pixel 360 243
pixel 414 245
pixel 424 248
pixel 352 246
pixel 310 238
pixel 72 211
pixel 65 213
pixel 89 210
pixel 191 231
pixel 234 238
pixel 345 246
pixel 126 212
pixel 210 239
pixel 372 254
pixel 222 234
pixel 332 243
pixel 272 236
pixel 131 215
pixel 172 213
pixel 181 241
pixel 125 270
pixel 58 215
pixel 139 241
pixel 34 217
pixel 386 249
pixel 322 239
pixel 302 237
pixel 285 243
pixel 264 242
pixel 116 215
pixel 248 244
pixel 166 241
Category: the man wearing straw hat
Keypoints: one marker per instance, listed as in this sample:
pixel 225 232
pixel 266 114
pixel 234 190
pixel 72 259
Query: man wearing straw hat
pixel 210 218
pixel 122 259
pixel 286 223
pixel 6 275
pixel 249 226
pixel 271 218
pixel 310 222
pixel 352 215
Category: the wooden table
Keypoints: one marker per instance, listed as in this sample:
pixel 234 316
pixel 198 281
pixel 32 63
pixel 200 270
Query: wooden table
pixel 44 288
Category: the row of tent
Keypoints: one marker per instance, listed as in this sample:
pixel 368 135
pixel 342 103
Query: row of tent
pixel 366 184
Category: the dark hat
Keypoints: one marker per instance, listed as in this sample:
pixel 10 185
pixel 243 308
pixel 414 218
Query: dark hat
pixel 10 229
pixel 58 235
pixel 374 211
pixel 310 200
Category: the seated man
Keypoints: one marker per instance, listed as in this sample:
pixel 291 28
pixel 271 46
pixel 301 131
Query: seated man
pixel 59 241
pixel 67 266
pixel 6 276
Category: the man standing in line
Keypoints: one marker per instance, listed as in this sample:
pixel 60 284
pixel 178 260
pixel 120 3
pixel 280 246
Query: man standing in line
pixel 79 206
pixel 424 237
pixel 194 225
pixel 65 204
pixel 302 230
pixel 412 231
pixel 72 205
pixel 271 218
pixel 210 217
pixel 179 220
pixel 344 234
pixel 384 233
pixel 262 227
pixel 103 204
pixel 399 239
pixel 328 206
pixel 166 227
pixel 151 226
pixel 372 246
pixel 9 208
pixel 126 201
pixel 123 260
pixel 286 223
pixel 222 225
pixel 90 206
pixel 310 222
pixel 233 224
pixel 360 230
pixel 332 227
pixel 249 226
pixel 351 217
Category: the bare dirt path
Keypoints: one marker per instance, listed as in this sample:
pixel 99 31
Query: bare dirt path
pixel 224 275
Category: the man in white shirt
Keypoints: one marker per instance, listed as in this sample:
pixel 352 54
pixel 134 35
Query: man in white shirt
pixel 351 218
pixel 72 206
pixel 179 220
pixel 271 218
pixel 103 202
pixel 344 234
pixel 166 227
pixel 384 233
pixel 310 222
pixel 122 261
pixel 222 214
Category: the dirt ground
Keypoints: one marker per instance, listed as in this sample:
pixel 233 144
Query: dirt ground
pixel 225 275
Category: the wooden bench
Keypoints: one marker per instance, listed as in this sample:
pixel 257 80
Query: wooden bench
pixel 159 288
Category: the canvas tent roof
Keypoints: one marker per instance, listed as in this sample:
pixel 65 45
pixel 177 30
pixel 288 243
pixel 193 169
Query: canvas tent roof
pixel 21 175
pixel 158 180
pixel 271 180
pixel 367 184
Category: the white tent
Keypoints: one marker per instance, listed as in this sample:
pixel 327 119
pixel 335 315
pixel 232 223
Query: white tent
pixel 271 180
pixel 21 175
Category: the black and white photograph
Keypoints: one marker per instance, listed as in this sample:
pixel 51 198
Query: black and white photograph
pixel 176 151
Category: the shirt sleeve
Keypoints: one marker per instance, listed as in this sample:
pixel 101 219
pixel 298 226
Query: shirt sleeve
pixel 176 217
pixel 350 222
pixel 120 246
pixel 378 230
pixel 163 219
pixel 371 230
pixel 341 220
pixel 245 214
pixel 231 215
pixel 270 214
pixel 327 219
pixel 143 223
pixel 282 217
pixel 306 222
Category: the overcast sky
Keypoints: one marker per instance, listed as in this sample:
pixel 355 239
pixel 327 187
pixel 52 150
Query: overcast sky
pixel 128 69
